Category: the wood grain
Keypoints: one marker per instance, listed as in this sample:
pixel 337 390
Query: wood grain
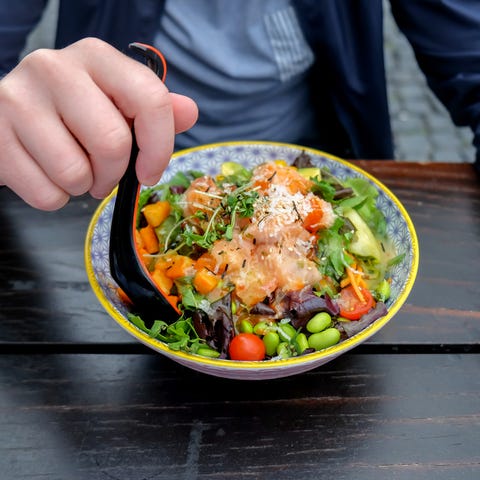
pixel 125 417
pixel 443 201
pixel 80 399
pixel 45 296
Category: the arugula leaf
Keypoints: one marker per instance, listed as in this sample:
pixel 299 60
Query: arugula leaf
pixel 191 300
pixel 138 322
pixel 324 189
pixel 144 197
pixel 222 221
pixel 396 260
pixel 180 335
pixel 184 179
pixel 332 246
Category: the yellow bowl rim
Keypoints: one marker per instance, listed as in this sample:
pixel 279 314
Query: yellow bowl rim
pixel 314 357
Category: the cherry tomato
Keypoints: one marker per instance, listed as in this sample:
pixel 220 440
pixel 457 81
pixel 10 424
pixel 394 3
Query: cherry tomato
pixel 351 306
pixel 246 346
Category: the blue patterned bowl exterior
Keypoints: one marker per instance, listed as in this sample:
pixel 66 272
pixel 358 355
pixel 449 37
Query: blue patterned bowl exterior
pixel 208 159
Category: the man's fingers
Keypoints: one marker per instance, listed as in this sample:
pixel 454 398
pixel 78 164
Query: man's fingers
pixel 185 111
pixel 100 128
pixel 141 95
pixel 68 116
pixel 25 177
pixel 150 165
pixel 50 143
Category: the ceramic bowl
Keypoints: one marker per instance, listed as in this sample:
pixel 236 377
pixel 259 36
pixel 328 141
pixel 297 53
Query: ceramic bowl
pixel 207 159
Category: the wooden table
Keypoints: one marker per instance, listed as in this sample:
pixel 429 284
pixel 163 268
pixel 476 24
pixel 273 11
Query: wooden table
pixel 80 399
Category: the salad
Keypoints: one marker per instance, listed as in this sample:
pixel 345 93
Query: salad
pixel 273 262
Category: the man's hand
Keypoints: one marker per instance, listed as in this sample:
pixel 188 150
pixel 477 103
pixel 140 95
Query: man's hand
pixel 65 123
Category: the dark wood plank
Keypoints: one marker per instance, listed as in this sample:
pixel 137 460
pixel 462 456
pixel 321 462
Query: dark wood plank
pixel 140 416
pixel 443 201
pixel 45 296
pixel 44 291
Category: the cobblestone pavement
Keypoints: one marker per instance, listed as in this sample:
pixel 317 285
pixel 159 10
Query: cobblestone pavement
pixel 421 125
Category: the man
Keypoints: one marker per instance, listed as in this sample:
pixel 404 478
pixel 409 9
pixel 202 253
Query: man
pixel 301 71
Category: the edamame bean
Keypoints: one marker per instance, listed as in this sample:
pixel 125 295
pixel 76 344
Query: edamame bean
pixel 301 343
pixel 286 332
pixel 283 350
pixel 261 328
pixel 271 341
pixel 319 322
pixel 208 352
pixel 245 327
pixel 325 339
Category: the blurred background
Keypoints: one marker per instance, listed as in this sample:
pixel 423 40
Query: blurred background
pixel 421 126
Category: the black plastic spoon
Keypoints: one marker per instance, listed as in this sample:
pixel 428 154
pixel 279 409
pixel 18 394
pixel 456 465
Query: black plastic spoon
pixel 126 266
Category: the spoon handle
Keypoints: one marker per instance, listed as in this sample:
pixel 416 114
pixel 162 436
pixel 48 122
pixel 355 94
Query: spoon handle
pixel 126 267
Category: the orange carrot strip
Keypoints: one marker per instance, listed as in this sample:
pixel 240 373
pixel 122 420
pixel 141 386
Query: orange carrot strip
pixel 353 279
pixel 360 279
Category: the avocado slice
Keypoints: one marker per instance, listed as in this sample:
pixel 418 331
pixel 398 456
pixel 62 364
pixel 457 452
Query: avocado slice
pixel 310 172
pixel 363 242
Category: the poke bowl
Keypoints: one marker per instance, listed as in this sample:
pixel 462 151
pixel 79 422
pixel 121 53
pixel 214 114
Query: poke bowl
pixel 307 289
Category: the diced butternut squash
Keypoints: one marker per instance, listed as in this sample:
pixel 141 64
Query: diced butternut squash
pixel 144 257
pixel 163 283
pixel 138 239
pixel 206 261
pixel 149 239
pixel 181 266
pixel 205 281
pixel 156 213
pixel 163 262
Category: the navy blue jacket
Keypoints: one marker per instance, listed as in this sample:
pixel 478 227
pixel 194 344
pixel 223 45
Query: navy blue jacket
pixel 347 39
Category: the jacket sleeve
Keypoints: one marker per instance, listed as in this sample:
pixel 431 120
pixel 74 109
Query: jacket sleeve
pixel 17 20
pixel 445 36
